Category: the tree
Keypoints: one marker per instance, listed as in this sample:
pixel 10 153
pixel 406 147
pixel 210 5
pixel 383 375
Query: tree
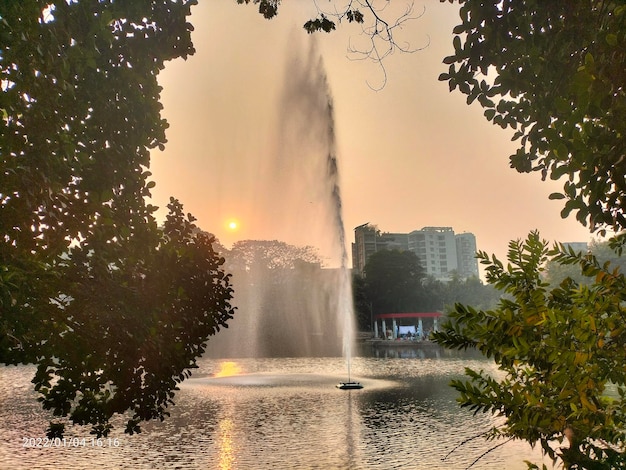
pixel 393 279
pixel 80 112
pixel 247 255
pixel 560 349
pixel 362 304
pixel 604 251
pixel 112 309
pixel 430 295
pixel 556 272
pixel 287 304
pixel 553 72
pixel 128 322
pixel 470 291
pixel 601 250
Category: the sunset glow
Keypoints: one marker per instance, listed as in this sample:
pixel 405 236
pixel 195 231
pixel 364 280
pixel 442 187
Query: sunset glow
pixel 228 369
pixel 426 130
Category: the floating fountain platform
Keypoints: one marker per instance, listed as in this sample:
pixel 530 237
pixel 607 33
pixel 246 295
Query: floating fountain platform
pixel 349 385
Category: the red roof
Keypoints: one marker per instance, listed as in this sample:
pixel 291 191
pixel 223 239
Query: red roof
pixel 381 316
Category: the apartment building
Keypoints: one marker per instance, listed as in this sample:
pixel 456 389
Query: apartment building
pixel 467 264
pixel 439 249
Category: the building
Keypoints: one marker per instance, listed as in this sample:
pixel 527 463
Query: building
pixel 368 240
pixel 467 264
pixel 439 250
pixel 436 249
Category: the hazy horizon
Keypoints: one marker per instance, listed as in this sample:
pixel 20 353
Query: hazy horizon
pixel 410 155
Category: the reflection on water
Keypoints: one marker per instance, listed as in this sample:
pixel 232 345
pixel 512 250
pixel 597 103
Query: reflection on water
pixel 399 350
pixel 228 369
pixel 282 413
pixel 226 448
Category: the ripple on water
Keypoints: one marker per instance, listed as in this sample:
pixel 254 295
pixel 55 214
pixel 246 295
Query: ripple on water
pixel 281 413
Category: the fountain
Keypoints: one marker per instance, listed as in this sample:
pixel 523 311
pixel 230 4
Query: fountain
pixel 258 411
pixel 302 309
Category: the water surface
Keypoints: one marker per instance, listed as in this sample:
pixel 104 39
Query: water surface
pixel 282 413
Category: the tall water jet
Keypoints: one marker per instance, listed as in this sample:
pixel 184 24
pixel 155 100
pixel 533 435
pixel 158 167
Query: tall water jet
pixel 297 308
pixel 308 113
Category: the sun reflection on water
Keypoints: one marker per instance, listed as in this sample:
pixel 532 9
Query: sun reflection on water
pixel 286 417
pixel 228 369
pixel 226 447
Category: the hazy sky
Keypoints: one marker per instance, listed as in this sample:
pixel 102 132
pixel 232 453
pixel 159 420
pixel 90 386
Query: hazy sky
pixel 410 155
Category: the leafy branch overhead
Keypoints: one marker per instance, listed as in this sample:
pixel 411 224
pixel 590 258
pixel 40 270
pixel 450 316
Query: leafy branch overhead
pixel 322 23
pixel 554 73
pixel 380 21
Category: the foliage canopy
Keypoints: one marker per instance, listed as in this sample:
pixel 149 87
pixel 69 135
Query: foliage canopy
pixel 556 272
pixel 553 72
pixel 113 310
pixel 286 301
pixel 393 281
pixel 270 254
pixel 561 352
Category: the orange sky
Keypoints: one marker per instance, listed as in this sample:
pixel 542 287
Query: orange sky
pixel 411 155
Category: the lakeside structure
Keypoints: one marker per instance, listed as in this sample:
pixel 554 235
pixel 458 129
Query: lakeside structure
pixel 405 325
pixel 439 249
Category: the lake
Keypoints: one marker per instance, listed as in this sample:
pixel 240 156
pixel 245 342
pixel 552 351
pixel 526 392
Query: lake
pixel 282 413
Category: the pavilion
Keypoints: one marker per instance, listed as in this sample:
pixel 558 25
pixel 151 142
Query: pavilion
pixel 402 323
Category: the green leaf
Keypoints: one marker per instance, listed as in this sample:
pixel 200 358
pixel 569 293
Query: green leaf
pixel 611 39
pixel 456 42
pixel 561 151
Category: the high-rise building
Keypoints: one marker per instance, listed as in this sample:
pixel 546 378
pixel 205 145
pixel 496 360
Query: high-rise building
pixel 368 240
pixel 467 264
pixel 364 246
pixel 436 249
pixel 439 250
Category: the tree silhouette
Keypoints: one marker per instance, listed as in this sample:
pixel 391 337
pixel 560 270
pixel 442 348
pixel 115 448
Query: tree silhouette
pixel 113 310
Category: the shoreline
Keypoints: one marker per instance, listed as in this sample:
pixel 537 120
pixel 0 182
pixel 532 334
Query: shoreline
pixel 400 343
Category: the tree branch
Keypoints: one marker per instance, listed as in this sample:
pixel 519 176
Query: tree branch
pixel 381 31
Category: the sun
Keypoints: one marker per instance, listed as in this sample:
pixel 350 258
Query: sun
pixel 232 225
